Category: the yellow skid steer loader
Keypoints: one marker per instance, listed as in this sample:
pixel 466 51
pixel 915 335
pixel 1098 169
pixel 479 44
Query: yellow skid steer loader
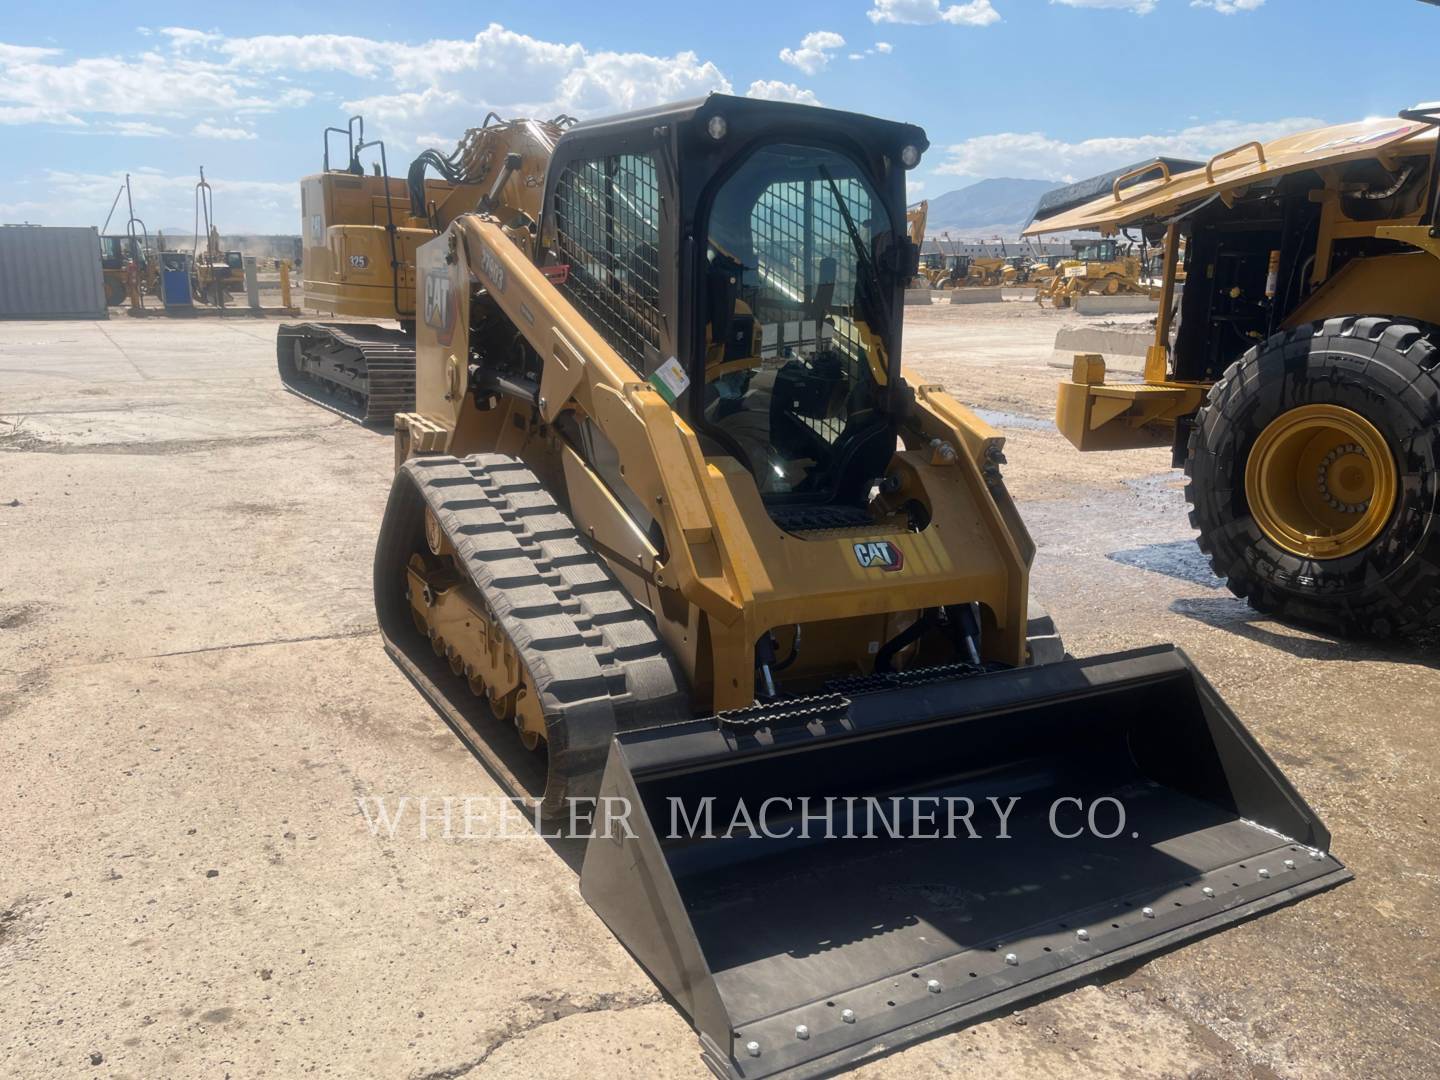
pixel 673 541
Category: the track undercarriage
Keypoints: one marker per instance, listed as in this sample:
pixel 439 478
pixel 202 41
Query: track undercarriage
pixel 363 372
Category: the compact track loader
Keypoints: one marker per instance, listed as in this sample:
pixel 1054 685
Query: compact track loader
pixel 671 536
pixel 1299 383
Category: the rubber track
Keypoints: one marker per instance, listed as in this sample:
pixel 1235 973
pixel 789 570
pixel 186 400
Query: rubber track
pixel 387 356
pixel 592 653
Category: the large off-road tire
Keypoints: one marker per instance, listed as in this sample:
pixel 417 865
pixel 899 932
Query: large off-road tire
pixel 114 293
pixel 1381 574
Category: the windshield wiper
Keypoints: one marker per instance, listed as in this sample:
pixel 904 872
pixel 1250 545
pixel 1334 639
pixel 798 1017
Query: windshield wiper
pixel 869 276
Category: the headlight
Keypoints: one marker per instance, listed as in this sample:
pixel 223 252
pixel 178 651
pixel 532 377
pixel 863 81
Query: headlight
pixel 910 156
pixel 717 127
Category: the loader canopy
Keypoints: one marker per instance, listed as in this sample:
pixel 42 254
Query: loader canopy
pixel 1155 190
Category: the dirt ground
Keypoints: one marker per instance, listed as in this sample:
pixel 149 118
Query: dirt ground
pixel 193 696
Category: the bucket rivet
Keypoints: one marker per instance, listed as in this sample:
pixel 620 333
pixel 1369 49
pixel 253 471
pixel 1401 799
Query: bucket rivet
pixel 1012 959
pixel 1148 912
pixel 1208 891
pixel 1264 872
pixel 848 1015
pixel 801 1031
pixel 933 986
pixel 1289 864
pixel 753 1049
pixel 1083 935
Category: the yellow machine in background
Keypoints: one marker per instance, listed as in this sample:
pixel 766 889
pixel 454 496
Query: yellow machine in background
pixel 915 219
pixel 671 530
pixel 982 271
pixel 360 234
pixel 1101 268
pixel 215 274
pixel 1300 390
pixel 127 262
pixel 123 259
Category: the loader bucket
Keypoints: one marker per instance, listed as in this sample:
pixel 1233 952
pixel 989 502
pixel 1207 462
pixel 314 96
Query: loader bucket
pixel 796 953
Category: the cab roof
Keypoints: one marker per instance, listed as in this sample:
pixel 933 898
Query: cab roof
pixel 1161 190
pixel 891 135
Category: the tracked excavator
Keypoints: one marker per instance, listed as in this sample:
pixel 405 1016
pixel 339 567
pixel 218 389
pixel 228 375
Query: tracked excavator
pixel 360 232
pixel 674 539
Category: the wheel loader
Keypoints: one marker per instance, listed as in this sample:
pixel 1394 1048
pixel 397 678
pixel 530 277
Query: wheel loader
pixel 1297 384
pixel 360 232
pixel 675 540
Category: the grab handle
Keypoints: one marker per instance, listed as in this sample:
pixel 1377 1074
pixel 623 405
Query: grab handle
pixel 1135 174
pixel 1252 145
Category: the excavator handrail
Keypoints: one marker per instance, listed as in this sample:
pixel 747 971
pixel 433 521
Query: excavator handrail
pixel 1253 144
pixel 349 132
pixel 395 264
pixel 1135 174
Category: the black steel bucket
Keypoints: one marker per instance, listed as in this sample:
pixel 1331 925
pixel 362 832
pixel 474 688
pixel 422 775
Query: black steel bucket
pixel 796 952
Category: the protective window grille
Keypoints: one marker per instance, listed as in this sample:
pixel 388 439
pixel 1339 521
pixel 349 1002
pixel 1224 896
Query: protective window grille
pixel 796 227
pixel 607 227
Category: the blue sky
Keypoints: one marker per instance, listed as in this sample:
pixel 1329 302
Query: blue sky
pixel 1035 88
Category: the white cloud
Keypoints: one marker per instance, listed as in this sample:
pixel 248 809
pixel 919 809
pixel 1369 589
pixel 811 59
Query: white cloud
pixel 880 47
pixel 135 128
pixel 304 52
pixel 1139 7
pixel 408 89
pixel 610 82
pixel 913 187
pixel 775 90
pixel 924 12
pixel 1036 155
pixel 37 114
pixel 21 54
pixel 41 86
pixel 813 55
pixel 181 37
pixel 60 197
pixel 415 90
pixel 1228 7
pixel 208 130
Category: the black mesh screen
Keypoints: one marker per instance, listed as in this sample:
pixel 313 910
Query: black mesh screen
pixel 794 225
pixel 788 251
pixel 607 225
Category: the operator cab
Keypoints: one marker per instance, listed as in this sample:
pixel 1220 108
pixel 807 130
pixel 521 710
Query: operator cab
pixel 776 330
pixel 1096 251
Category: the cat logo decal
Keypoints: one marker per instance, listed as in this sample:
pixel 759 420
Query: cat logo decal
pixel 879 554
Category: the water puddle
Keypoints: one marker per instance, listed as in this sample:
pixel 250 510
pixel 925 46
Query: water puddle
pixel 997 418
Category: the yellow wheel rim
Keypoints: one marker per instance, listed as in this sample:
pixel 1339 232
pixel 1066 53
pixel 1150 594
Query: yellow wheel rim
pixel 1321 481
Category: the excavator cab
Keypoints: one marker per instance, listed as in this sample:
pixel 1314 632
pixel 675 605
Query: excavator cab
pixel 672 535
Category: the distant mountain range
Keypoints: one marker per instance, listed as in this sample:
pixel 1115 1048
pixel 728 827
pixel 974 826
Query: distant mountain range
pixel 987 208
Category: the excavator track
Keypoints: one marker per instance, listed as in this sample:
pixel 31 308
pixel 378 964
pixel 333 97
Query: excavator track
pixel 362 372
pixel 590 653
